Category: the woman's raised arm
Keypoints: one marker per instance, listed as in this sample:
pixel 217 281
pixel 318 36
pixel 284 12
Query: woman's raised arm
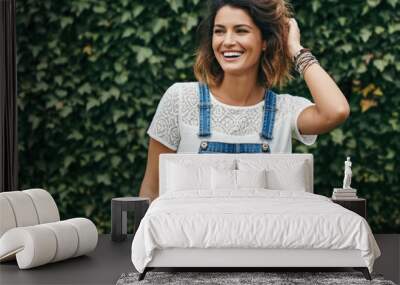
pixel 331 107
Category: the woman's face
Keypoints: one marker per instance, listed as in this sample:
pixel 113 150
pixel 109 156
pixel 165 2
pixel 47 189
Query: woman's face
pixel 237 42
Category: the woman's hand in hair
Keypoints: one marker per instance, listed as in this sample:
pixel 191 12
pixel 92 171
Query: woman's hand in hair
pixel 294 44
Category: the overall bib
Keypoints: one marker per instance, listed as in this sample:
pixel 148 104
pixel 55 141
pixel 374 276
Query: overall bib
pixel 207 146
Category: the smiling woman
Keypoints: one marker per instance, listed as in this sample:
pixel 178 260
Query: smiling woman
pixel 246 48
pixel 245 26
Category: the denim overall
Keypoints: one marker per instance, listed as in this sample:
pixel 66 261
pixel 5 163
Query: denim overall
pixel 221 147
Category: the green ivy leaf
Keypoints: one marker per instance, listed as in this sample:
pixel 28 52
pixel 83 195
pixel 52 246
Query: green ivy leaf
pixel 92 102
pixel 380 64
pixel 85 89
pixel 75 135
pixel 175 4
pixel 99 9
pixel 393 28
pixel 373 3
pixel 138 10
pixel 65 21
pixel 365 34
pixel 159 24
pixel 121 127
pixel 99 155
pixel 379 30
pixel 68 160
pixel 121 78
pixel 35 121
pixel 117 114
pixel 126 16
pixel 128 32
pixel 315 4
pixel 65 111
pixel 143 53
pixel 89 208
pixel 115 161
pixel 337 136
pixel 115 92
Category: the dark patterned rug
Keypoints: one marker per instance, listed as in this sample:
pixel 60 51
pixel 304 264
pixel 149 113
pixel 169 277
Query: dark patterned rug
pixel 243 278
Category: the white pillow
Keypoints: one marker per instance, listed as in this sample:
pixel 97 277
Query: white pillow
pixel 236 179
pixel 251 178
pixel 183 178
pixel 282 174
pixel 293 180
pixel 223 179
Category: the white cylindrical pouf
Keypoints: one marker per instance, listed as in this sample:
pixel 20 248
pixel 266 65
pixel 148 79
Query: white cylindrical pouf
pixel 7 218
pixel 40 244
pixel 23 208
pixel 45 205
pixel 87 233
pixel 67 239
pixel 34 245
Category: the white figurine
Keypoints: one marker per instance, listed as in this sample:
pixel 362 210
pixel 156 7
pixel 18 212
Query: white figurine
pixel 347 174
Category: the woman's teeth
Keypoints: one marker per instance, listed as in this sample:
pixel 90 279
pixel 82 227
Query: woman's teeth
pixel 232 54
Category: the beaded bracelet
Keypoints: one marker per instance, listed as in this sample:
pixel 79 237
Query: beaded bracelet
pixel 302 62
pixel 303 50
pixel 304 59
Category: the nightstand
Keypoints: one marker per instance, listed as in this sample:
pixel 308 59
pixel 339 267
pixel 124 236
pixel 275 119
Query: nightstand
pixel 119 209
pixel 357 205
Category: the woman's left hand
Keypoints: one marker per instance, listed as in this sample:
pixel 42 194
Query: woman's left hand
pixel 294 44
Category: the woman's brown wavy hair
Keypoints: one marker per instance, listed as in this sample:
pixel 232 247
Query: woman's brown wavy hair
pixel 271 17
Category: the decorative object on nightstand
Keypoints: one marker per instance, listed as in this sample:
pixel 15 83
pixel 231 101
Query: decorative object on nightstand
pixel 345 193
pixel 119 209
pixel 357 205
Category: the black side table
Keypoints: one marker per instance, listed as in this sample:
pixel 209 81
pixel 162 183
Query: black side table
pixel 357 205
pixel 119 209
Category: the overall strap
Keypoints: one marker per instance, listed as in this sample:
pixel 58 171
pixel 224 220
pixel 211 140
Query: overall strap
pixel 204 111
pixel 269 115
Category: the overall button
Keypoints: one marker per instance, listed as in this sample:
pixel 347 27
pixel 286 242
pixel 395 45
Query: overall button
pixel 264 147
pixel 203 145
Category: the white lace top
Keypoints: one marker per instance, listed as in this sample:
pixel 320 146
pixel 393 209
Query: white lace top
pixel 177 120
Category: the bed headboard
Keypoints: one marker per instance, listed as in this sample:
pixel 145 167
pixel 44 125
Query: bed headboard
pixel 239 161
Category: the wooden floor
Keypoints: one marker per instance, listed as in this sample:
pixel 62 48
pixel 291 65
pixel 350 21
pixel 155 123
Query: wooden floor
pixel 111 259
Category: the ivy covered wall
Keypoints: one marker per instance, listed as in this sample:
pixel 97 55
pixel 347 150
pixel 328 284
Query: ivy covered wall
pixel 91 73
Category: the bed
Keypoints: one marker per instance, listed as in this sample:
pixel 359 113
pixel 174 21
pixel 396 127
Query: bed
pixel 247 210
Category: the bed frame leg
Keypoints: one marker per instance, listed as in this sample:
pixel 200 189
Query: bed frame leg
pixel 143 274
pixel 364 271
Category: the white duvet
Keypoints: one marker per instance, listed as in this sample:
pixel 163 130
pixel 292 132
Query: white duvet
pixel 252 218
